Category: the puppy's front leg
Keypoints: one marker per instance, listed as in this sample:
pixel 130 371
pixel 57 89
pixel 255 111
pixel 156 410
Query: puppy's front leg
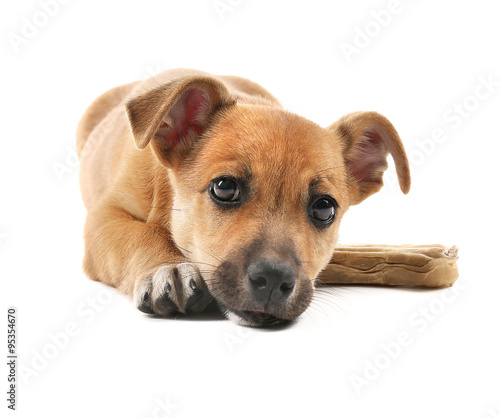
pixel 141 260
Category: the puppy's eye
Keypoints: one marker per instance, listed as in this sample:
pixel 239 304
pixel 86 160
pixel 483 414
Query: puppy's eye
pixel 225 189
pixel 323 210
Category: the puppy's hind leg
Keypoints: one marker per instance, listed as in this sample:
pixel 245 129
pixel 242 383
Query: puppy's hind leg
pixel 98 110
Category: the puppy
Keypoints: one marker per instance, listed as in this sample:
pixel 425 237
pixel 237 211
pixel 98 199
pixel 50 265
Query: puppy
pixel 202 188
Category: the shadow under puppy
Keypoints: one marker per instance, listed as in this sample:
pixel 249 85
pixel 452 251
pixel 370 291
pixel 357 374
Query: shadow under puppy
pixel 202 187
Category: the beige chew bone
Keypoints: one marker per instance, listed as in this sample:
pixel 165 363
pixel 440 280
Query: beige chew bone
pixel 392 265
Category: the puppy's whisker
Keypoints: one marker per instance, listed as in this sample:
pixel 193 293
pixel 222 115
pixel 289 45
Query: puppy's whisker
pixel 173 261
pixel 314 308
pixel 170 240
pixel 209 301
pixel 341 296
pixel 333 307
pixel 319 303
pixel 348 289
pixel 206 252
pixel 157 207
pixel 206 271
pixel 335 290
pixel 201 262
pixel 324 296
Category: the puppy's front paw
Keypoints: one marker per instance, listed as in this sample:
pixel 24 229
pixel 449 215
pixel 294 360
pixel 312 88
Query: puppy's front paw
pixel 172 289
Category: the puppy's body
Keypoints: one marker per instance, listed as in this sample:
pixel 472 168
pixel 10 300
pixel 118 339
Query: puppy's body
pixel 202 186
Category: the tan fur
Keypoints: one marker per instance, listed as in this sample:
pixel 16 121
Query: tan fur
pixel 148 202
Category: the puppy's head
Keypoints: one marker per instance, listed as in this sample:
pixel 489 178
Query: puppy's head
pixel 259 193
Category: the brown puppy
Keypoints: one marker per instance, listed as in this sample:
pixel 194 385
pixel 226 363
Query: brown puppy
pixel 202 187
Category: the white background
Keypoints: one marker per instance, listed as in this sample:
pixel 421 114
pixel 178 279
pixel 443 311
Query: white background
pixel 85 351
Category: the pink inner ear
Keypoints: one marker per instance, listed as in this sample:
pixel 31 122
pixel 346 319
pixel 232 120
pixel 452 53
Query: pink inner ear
pixel 187 115
pixel 196 103
pixel 370 159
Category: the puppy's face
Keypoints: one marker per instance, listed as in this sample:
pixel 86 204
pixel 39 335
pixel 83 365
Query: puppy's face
pixel 259 194
pixel 261 198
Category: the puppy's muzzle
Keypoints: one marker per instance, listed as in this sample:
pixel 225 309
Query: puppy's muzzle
pixel 270 283
pixel 262 287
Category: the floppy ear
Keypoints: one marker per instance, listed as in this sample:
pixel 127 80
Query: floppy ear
pixel 171 116
pixel 368 138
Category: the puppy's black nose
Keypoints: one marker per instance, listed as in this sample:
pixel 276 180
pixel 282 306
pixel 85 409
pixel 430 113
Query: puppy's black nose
pixel 270 281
